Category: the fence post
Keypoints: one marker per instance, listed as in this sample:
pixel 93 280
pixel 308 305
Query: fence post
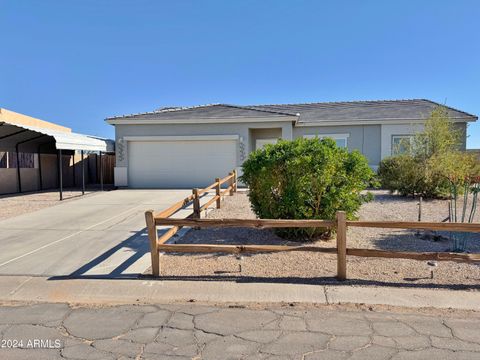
pixel 196 204
pixel 341 246
pixel 235 180
pixel 217 193
pixel 231 182
pixel 420 200
pixel 153 237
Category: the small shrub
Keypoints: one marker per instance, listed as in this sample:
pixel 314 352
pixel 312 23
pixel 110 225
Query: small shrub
pixel 306 179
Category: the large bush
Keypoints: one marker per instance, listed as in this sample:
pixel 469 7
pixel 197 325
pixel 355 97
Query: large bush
pixel 407 176
pixel 306 179
pixel 431 161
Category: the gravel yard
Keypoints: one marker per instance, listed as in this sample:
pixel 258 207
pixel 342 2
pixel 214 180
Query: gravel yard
pixel 17 204
pixel 308 267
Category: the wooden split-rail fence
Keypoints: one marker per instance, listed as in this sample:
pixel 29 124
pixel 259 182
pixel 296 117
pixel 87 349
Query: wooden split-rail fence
pixel 197 194
pixel 340 224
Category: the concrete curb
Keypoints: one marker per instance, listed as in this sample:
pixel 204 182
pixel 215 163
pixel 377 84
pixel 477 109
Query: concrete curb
pixel 113 291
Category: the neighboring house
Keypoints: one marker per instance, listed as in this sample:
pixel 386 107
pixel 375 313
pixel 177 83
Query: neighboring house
pixel 30 152
pixel 476 152
pixel 190 146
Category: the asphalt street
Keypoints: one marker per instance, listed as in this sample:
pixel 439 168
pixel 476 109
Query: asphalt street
pixel 176 332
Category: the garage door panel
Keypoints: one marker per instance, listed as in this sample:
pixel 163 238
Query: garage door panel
pixel 179 164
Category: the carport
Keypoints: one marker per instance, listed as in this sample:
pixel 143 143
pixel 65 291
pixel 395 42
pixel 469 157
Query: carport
pixel 20 139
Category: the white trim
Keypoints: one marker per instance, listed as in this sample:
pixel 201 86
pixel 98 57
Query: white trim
pixel 182 138
pixel 276 118
pixel 120 174
pixel 333 136
pixel 321 136
pixel 146 121
pixel 401 136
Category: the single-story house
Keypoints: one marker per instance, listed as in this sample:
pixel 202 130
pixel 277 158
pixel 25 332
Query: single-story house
pixel 182 147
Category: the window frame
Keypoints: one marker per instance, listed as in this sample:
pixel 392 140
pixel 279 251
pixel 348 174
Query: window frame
pixel 333 136
pixel 401 136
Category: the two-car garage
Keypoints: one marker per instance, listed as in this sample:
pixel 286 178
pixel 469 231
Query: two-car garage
pixel 179 162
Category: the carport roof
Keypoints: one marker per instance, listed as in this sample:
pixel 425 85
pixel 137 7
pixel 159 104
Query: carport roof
pixel 62 140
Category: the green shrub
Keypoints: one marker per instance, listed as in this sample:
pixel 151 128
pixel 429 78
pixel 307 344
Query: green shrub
pixel 407 176
pixel 306 179
pixel 431 161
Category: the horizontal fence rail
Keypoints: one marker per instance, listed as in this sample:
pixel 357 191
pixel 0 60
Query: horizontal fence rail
pixel 152 217
pixel 240 249
pixel 340 224
pixel 417 225
pixel 250 223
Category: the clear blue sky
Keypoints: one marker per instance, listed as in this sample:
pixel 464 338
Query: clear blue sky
pixel 77 62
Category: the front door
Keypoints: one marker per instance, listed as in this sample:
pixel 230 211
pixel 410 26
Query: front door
pixel 260 143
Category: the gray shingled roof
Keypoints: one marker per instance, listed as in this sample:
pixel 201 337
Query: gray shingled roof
pixel 210 111
pixel 364 110
pixel 415 109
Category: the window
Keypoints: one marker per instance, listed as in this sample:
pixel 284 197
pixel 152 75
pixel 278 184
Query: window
pixel 25 160
pixel 3 159
pixel 341 142
pixel 340 139
pixel 401 144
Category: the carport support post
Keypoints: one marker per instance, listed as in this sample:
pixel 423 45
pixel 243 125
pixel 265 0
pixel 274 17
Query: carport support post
pixel 341 246
pixel 18 170
pixel 153 237
pixel 83 173
pixel 60 174
pixel 101 172
pixel 217 193
pixel 40 168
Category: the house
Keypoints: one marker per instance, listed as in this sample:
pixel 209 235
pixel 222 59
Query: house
pixel 180 147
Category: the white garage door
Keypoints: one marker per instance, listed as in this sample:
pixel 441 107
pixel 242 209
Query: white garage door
pixel 179 163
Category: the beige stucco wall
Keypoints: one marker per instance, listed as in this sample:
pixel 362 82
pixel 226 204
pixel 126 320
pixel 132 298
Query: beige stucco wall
pixel 49 171
pixel 8 181
pixel 30 179
pixel 13 117
pixel 49 164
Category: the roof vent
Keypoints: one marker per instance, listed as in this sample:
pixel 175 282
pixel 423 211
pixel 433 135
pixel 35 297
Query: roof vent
pixel 169 108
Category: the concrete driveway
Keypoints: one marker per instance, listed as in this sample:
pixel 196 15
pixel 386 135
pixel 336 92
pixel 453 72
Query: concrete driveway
pixel 102 234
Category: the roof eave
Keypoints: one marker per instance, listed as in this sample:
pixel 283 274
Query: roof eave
pixel 146 121
pixel 333 122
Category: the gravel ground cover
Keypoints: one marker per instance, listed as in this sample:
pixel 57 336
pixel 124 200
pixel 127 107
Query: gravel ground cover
pixel 14 205
pixel 308 267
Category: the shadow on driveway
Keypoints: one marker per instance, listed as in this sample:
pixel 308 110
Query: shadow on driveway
pixel 137 244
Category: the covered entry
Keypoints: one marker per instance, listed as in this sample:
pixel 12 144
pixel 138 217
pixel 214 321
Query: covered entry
pixel 33 158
